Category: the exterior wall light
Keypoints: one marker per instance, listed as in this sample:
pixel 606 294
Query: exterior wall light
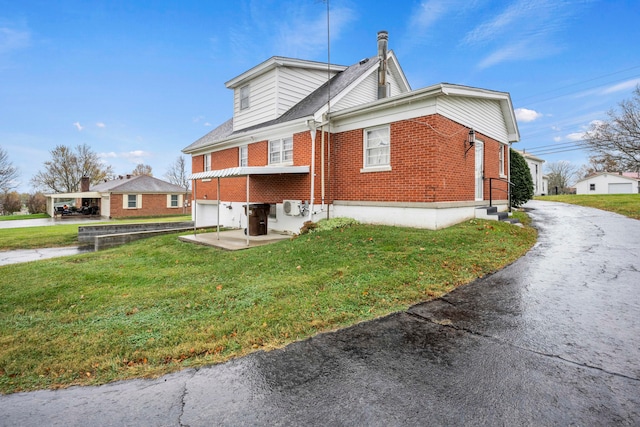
pixel 471 139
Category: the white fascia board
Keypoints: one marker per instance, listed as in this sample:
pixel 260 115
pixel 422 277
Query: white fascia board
pixel 279 130
pixel 397 70
pixel 76 195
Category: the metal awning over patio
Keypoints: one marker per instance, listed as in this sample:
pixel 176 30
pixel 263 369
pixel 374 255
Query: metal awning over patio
pixel 238 172
pixel 249 170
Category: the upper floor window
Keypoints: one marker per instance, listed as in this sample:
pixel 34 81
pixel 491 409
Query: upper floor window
pixel 207 162
pixel 244 156
pixel 244 97
pixel 377 148
pixel 281 151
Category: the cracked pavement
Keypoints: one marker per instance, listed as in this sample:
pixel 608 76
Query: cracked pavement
pixel 552 339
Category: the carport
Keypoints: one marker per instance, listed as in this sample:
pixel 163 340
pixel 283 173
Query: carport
pixel 94 197
pixel 240 171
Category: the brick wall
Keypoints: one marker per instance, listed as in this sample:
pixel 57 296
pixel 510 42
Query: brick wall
pixel 429 163
pixel 152 204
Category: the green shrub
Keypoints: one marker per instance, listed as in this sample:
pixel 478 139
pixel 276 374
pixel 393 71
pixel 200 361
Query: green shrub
pixel 522 189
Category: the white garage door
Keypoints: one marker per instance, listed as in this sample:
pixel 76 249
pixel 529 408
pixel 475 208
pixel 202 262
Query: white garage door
pixel 620 188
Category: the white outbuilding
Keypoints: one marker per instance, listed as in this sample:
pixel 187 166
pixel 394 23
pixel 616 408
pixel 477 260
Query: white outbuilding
pixel 608 183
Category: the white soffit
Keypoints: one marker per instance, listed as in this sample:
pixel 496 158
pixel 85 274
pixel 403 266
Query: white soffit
pixel 250 170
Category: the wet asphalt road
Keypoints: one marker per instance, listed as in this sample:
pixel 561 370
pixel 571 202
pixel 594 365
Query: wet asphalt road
pixel 553 339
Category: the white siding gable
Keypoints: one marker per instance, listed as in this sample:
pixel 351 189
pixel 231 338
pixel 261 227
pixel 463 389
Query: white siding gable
pixel 367 91
pixel 274 92
pixel 483 115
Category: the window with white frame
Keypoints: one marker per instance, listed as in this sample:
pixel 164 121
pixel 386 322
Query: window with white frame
pixel 244 156
pixel 281 151
pixel 592 187
pixel 244 97
pixel 173 200
pixel 501 160
pixel 377 147
pixel 207 162
pixel 132 201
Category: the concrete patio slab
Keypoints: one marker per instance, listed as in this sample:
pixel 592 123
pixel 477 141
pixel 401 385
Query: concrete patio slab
pixel 233 240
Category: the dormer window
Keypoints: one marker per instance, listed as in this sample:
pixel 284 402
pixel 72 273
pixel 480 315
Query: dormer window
pixel 244 97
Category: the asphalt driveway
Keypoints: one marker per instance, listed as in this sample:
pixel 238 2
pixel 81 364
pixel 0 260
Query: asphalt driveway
pixel 553 339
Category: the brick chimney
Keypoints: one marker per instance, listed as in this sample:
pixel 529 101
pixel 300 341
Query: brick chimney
pixel 85 183
pixel 383 40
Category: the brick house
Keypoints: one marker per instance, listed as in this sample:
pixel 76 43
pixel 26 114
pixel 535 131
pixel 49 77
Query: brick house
pixel 125 196
pixel 314 140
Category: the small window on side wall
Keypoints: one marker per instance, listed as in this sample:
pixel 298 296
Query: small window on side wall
pixel 244 97
pixel 207 162
pixel 244 156
pixel 592 187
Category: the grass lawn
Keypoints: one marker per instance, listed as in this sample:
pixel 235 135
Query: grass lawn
pixel 62 234
pixel 17 217
pixel 157 305
pixel 624 204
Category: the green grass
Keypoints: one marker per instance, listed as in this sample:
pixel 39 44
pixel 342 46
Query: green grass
pixel 624 204
pixel 157 305
pixel 16 217
pixel 61 234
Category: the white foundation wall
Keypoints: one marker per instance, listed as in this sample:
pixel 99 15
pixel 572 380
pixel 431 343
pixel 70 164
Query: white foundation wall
pixel 417 217
pixel 232 214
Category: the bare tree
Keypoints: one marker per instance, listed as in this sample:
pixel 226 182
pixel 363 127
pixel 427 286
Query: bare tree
pixel 37 203
pixel 66 168
pixel 11 202
pixel 177 174
pixel 561 176
pixel 142 169
pixel 619 136
pixel 603 163
pixel 8 172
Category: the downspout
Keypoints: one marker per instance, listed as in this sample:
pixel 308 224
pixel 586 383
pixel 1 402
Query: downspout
pixel 218 221
pixel 247 211
pixel 195 207
pixel 322 167
pixel 312 129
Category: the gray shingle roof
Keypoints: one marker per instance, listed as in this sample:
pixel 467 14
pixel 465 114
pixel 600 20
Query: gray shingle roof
pixel 306 107
pixel 137 184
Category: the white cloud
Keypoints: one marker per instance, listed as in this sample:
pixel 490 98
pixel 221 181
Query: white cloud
pixel 557 138
pixel 628 85
pixel 207 124
pixel 101 125
pixel 526 115
pixel 78 126
pixel 575 136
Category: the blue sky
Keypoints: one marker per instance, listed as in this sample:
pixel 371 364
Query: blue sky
pixel 138 81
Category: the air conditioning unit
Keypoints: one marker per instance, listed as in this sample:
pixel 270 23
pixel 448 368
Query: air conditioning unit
pixel 292 207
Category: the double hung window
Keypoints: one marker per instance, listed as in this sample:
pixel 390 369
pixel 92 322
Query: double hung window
pixel 377 148
pixel 244 156
pixel 281 151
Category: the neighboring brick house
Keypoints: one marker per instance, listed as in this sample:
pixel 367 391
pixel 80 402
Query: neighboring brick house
pixel 361 145
pixel 126 196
